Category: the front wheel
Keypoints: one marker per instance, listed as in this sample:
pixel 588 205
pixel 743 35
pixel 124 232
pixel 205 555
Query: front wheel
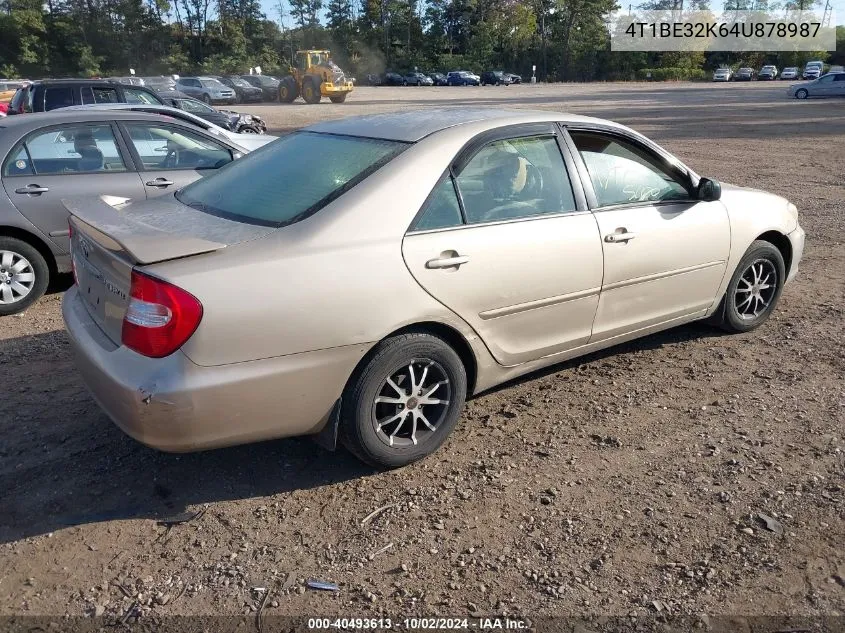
pixel 754 289
pixel 802 94
pixel 24 275
pixel 207 99
pixel 404 402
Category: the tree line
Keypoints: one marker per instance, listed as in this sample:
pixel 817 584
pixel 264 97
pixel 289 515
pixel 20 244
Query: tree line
pixel 566 40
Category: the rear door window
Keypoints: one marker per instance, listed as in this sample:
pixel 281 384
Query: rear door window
pixel 73 149
pixel 442 210
pixel 57 97
pixel 516 178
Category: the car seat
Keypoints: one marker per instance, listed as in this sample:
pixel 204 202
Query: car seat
pixel 91 158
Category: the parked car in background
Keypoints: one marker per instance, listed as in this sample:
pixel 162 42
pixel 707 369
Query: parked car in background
pixel 248 140
pixel 129 81
pixel 51 94
pixel 438 79
pixel 151 316
pixel 836 69
pixel 829 85
pixel 462 78
pixel 722 74
pixel 245 92
pixel 515 79
pixel 67 153
pixel 392 79
pixel 374 79
pixel 813 70
pixel 417 79
pixel 790 72
pixel 8 90
pixel 207 89
pixel 269 85
pixel 495 78
pixel 745 74
pixel 768 73
pixel 160 82
pixel 241 123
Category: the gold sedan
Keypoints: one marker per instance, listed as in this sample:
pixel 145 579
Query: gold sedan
pixel 360 278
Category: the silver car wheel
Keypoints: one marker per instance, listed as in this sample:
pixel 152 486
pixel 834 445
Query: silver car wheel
pixel 411 403
pixel 17 277
pixel 802 94
pixel 756 289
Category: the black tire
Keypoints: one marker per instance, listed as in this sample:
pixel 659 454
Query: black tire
pixel 38 267
pixel 311 90
pixel 768 260
pixel 802 93
pixel 249 129
pixel 338 98
pixel 358 423
pixel 288 90
pixel 207 99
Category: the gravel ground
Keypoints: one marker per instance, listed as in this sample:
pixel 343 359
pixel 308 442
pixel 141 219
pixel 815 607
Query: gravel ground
pixel 633 481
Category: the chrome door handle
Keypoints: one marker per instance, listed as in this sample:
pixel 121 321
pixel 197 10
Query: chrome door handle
pixel 159 182
pixel 619 237
pixel 446 262
pixel 32 189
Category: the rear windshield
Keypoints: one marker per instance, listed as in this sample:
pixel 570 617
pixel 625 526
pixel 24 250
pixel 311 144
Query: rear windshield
pixel 289 179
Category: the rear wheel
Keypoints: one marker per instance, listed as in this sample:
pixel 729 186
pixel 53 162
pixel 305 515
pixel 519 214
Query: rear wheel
pixel 288 90
pixel 338 98
pixel 24 275
pixel 754 289
pixel 802 94
pixel 311 90
pixel 404 402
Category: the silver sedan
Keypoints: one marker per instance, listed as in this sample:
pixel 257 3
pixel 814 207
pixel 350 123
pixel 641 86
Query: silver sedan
pixel 360 278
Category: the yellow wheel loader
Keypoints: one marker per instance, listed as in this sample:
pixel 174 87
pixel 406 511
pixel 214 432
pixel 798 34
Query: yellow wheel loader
pixel 313 77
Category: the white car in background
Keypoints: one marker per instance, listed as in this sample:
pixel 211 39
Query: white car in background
pixel 789 73
pixel 722 74
pixel 250 142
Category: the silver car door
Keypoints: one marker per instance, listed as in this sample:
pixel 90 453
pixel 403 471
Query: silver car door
pixel 170 156
pixel 66 161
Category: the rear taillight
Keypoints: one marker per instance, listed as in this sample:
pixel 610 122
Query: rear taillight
pixel 160 317
pixel 72 262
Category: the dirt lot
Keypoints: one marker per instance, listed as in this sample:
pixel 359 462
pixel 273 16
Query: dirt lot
pixel 627 482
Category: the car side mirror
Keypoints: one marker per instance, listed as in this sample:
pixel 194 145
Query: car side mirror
pixel 709 190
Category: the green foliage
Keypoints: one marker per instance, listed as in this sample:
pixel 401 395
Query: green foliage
pixel 566 40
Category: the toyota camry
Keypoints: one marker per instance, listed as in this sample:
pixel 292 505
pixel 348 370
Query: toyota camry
pixel 358 279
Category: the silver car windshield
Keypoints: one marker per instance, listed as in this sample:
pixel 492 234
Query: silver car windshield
pixel 289 179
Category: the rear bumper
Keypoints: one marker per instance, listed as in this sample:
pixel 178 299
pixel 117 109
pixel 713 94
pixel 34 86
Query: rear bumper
pixel 796 239
pixel 172 404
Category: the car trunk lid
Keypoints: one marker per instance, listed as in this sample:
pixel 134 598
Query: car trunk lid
pixel 110 236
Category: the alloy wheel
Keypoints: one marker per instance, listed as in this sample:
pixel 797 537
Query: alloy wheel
pixel 411 403
pixel 756 289
pixel 17 277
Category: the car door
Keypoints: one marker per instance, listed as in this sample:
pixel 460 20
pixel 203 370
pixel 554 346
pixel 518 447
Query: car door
pixel 506 242
pixel 823 86
pixel 838 87
pixel 665 252
pixel 76 159
pixel 170 156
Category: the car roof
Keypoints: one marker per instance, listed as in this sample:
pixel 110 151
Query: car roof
pixel 74 115
pixel 415 125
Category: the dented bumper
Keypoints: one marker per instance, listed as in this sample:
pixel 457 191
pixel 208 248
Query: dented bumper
pixel 174 405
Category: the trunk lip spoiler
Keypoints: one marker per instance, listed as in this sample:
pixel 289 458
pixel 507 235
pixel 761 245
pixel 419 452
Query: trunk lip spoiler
pixel 146 244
